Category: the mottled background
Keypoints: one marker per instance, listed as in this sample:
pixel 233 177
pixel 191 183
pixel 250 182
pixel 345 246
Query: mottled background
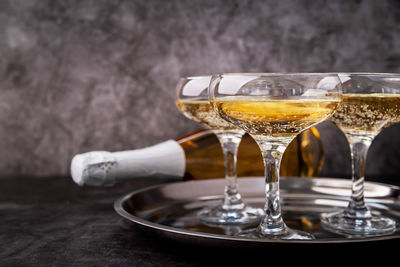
pixel 89 75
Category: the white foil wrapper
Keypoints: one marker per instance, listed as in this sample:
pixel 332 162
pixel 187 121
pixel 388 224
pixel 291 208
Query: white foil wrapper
pixel 164 161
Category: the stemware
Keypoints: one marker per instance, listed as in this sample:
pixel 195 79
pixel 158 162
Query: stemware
pixel 192 101
pixel 274 108
pixel 371 101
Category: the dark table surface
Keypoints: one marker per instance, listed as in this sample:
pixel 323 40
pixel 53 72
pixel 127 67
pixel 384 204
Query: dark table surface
pixel 53 222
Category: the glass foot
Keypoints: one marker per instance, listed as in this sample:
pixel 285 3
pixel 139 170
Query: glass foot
pixel 375 225
pixel 219 216
pixel 287 234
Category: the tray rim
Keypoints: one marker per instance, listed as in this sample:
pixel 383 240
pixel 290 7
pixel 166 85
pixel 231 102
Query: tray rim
pixel 118 207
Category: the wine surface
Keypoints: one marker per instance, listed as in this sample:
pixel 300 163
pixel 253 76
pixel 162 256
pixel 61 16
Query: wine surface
pixel 367 114
pixel 274 117
pixel 203 112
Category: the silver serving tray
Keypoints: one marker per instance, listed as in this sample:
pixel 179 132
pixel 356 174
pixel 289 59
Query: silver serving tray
pixel 171 209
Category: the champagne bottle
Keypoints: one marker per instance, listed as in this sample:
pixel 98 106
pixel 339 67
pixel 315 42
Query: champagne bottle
pixel 195 156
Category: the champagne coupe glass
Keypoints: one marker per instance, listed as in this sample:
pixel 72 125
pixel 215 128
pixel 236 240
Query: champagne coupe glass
pixel 273 108
pixel 370 102
pixel 192 101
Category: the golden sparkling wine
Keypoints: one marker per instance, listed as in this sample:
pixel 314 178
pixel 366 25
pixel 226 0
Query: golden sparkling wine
pixel 366 114
pixel 303 157
pixel 203 113
pixel 274 117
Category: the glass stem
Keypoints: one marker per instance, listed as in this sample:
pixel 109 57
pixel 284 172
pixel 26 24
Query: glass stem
pixel 272 223
pixel 357 207
pixel 230 144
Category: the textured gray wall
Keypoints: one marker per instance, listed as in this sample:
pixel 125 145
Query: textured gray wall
pixel 90 75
